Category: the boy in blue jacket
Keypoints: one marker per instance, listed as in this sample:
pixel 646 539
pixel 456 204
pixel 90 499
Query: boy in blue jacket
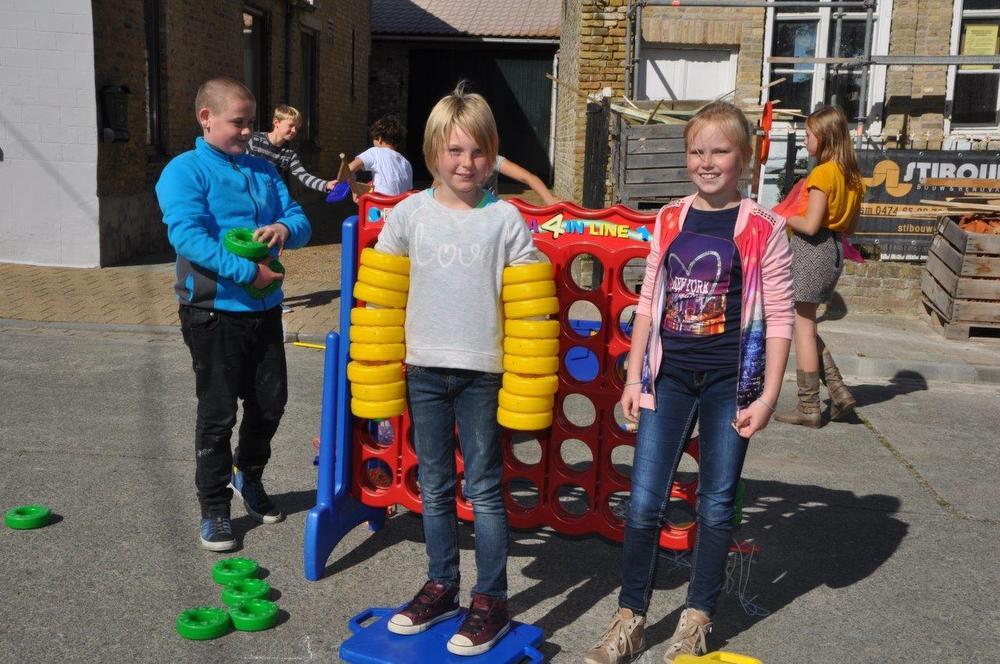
pixel 236 340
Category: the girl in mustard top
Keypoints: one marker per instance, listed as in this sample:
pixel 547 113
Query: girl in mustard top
pixel 835 192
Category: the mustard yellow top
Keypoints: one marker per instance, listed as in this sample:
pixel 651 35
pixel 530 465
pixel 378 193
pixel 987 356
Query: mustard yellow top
pixel 843 203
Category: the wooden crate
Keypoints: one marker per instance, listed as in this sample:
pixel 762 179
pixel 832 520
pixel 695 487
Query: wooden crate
pixel 961 283
pixel 652 165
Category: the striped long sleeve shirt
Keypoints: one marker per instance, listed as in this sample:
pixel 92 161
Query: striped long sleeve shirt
pixel 284 159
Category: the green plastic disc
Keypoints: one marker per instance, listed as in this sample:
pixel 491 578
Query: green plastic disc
pixel 228 570
pixel 27 517
pixel 203 623
pixel 261 293
pixel 254 615
pixel 244 589
pixel 240 242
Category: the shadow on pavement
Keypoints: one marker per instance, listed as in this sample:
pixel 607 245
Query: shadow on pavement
pixel 309 300
pixel 904 382
pixel 810 536
pixel 290 503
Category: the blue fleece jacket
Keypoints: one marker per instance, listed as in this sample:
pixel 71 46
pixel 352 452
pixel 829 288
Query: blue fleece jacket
pixel 205 192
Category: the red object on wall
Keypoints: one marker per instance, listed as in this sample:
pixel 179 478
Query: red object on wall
pixel 597 298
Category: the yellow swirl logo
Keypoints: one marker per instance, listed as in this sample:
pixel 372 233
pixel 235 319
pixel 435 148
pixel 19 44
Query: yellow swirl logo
pixel 887 172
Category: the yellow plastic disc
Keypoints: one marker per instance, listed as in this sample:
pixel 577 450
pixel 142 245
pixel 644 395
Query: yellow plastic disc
pixel 377 317
pixel 363 373
pixel 529 290
pixel 534 366
pixel 526 308
pixel 531 329
pixel 534 347
pixel 386 262
pixel 374 334
pixel 384 392
pixel 524 421
pixel 519 274
pixel 383 279
pixel 517 403
pixel 381 296
pixel 378 352
pixel 530 386
pixel 377 410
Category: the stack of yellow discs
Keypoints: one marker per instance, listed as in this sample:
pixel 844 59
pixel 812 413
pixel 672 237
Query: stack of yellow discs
pixel 530 348
pixel 378 345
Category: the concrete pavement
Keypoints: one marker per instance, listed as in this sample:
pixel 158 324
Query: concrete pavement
pixel 877 537
pixel 141 299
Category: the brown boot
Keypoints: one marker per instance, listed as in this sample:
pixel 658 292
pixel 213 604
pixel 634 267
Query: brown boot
pixel 807 412
pixel 689 637
pixel 841 400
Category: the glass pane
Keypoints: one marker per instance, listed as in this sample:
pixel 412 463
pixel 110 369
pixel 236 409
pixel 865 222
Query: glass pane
pixel 975 99
pixel 843 89
pixel 981 4
pixel 796 38
pixel 798 10
pixel 795 92
pixel 852 39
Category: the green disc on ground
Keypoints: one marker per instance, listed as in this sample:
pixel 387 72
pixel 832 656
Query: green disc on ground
pixel 202 623
pixel 261 293
pixel 27 517
pixel 240 242
pixel 228 570
pixel 243 590
pixel 254 615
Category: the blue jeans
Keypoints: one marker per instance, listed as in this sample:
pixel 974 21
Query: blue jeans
pixel 682 396
pixel 438 399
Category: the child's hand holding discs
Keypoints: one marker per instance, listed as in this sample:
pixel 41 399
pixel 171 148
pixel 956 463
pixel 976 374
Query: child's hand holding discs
pixel 272 234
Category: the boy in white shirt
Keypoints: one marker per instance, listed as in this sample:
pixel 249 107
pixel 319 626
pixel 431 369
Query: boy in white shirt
pixel 392 173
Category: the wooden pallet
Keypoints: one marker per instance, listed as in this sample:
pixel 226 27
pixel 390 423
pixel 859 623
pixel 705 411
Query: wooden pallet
pixel 961 283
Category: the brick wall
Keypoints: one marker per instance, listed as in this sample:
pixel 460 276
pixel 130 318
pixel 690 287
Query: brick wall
pixel 204 39
pixel 879 286
pixel 568 167
pixel 48 204
pixel 915 96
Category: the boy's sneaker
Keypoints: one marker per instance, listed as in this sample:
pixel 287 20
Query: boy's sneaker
pixel 622 642
pixel 217 533
pixel 258 504
pixel 485 623
pixel 435 602
pixel 689 637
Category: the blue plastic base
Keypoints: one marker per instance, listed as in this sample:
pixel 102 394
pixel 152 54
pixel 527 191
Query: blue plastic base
pixel 375 644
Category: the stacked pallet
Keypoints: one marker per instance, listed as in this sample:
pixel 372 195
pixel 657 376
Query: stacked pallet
pixel 960 286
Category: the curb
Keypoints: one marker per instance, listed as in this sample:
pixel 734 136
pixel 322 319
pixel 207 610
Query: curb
pixel 854 366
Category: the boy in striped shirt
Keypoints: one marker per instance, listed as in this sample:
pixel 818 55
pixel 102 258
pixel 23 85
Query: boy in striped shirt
pixel 274 146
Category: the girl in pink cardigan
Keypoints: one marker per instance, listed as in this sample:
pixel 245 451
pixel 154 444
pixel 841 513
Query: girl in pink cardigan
pixel 710 342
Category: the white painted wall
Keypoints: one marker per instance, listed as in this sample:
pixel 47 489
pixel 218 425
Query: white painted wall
pixel 48 134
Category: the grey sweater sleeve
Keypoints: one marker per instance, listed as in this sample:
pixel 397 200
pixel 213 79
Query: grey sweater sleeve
pixel 298 170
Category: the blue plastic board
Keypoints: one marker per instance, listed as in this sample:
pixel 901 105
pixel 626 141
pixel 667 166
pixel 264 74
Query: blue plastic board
pixel 375 644
pixel 339 192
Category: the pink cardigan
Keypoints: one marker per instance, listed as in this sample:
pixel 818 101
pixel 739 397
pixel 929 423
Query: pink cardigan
pixel 767 303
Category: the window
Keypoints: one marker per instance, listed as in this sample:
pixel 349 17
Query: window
pixel 308 97
pixel 154 68
pixel 686 73
pixel 256 61
pixel 825 32
pixel 975 93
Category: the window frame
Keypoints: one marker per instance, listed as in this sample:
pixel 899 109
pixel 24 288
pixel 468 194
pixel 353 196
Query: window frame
pixel 959 16
pixel 263 63
pixel 823 16
pixel 309 86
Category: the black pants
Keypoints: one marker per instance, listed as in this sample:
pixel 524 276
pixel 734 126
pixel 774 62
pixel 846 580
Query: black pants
pixel 235 355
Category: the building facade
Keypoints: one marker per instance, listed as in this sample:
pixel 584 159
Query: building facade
pixel 97 96
pixel 700 53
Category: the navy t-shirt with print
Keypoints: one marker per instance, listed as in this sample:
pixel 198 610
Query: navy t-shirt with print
pixel 704 281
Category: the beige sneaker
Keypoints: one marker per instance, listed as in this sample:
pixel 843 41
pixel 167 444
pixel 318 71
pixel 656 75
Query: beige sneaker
pixel 622 642
pixel 689 637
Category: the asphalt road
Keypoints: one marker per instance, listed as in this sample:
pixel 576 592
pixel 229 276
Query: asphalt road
pixel 878 538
